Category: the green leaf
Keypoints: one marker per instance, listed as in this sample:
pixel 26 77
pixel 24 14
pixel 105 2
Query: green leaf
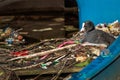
pixel 83 64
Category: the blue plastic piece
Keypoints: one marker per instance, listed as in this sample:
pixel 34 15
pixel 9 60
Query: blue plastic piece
pixel 98 11
pixel 98 69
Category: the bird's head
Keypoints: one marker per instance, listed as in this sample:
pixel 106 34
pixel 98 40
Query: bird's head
pixel 88 26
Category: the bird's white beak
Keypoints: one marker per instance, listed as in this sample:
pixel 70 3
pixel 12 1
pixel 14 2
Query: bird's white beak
pixel 83 29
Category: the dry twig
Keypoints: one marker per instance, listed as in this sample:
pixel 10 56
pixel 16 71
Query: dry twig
pixel 43 53
pixel 26 67
pixel 59 72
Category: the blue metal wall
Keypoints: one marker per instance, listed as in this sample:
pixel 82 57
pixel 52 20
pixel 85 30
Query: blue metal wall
pixel 98 11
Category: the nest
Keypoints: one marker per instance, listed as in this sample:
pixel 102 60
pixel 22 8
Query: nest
pixel 112 28
pixel 49 54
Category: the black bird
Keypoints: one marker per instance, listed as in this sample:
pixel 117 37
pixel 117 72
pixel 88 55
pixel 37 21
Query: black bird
pixel 93 35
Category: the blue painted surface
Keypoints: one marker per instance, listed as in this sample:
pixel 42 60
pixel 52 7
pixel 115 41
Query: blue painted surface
pixel 99 11
pixel 112 72
pixel 104 67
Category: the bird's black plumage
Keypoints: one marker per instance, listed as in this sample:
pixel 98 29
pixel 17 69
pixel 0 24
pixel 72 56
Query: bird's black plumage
pixel 96 36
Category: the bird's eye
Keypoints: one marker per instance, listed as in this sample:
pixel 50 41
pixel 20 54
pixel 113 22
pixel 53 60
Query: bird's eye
pixel 85 26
